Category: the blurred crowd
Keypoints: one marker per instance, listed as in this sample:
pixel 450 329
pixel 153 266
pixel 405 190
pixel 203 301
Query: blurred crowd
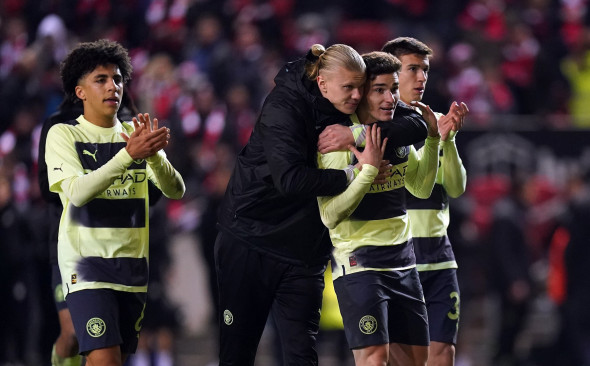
pixel 203 68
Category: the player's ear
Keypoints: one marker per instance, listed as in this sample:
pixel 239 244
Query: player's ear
pixel 80 92
pixel 321 80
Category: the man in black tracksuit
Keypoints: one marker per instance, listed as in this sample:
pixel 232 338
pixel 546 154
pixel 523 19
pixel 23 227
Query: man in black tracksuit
pixel 272 248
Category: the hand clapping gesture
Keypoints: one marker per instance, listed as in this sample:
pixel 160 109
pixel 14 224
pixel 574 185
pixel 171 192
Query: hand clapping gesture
pixel 147 139
pixel 452 121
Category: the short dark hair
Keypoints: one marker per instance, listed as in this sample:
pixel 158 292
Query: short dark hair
pixel 379 63
pixel 406 45
pixel 86 57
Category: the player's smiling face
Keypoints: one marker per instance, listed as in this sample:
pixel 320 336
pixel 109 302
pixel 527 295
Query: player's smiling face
pixel 413 77
pixel 101 92
pixel 342 87
pixel 380 100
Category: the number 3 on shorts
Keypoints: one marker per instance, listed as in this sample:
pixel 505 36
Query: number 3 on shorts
pixel 454 315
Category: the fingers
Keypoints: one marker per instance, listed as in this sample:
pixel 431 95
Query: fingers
pixel 369 136
pixel 136 124
pixel 378 141
pixel 445 124
pixel 326 148
pixel 139 128
pixel 148 122
pixel 142 118
pixel 384 172
pixel 381 179
pixel 328 132
pixel 325 133
pixel 355 151
pixel 143 122
pixel 464 113
pixel 139 124
pixel 147 138
pixel 374 139
pixel 372 132
pixel 418 104
pixel 464 106
pixel 157 140
pixel 423 107
pixel 457 113
pixel 324 145
pixel 460 110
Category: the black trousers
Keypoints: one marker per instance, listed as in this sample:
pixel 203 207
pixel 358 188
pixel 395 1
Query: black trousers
pixel 253 285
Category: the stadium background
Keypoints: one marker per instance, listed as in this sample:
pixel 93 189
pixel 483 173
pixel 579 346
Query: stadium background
pixel 203 67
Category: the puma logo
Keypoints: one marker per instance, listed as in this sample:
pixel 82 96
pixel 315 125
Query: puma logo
pixel 62 164
pixel 86 152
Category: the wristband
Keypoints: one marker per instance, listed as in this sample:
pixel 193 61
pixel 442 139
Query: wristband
pixel 351 173
pixel 359 133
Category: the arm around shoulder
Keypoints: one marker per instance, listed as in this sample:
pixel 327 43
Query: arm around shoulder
pixel 407 127
pixel 286 145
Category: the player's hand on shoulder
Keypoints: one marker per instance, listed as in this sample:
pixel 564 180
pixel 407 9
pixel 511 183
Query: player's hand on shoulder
pixel 335 138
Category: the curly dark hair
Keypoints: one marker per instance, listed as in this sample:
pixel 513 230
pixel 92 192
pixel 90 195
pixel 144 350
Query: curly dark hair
pixel 86 57
pixel 379 63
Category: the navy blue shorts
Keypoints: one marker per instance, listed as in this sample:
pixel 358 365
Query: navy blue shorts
pixel 441 291
pixel 58 294
pixel 382 307
pixel 105 318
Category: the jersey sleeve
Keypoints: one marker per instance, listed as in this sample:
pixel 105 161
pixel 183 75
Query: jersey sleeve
pixel 422 169
pixel 334 209
pixel 65 172
pixel 164 176
pixel 454 173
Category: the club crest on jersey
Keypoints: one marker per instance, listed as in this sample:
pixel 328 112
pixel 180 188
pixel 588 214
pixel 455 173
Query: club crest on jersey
pixel 228 317
pixel 368 324
pixel 96 327
pixel 402 151
pixel 352 261
pixel 74 278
